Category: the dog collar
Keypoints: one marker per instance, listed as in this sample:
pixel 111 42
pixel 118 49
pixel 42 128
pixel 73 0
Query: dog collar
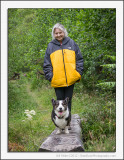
pixel 60 117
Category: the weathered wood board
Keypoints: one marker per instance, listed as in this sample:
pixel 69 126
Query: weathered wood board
pixel 71 142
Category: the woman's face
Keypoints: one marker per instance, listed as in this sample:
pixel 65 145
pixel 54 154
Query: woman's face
pixel 59 34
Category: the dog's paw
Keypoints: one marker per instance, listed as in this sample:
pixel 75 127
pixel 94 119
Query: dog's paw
pixel 58 132
pixel 67 131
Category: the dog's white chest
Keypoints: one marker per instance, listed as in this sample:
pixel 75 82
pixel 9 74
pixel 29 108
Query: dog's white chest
pixel 61 123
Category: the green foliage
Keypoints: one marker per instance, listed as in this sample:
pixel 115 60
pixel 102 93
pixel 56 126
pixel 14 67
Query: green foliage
pixel 98 44
pixel 92 29
pixel 98 123
pixel 109 66
pixel 107 85
pixel 109 70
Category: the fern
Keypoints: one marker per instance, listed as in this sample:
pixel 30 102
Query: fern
pixel 107 85
pixel 113 58
pixel 112 66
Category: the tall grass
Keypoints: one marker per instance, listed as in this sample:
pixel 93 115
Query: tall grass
pixel 24 132
pixel 97 114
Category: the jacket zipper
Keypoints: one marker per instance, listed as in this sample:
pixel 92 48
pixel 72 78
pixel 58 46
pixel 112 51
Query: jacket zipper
pixel 64 66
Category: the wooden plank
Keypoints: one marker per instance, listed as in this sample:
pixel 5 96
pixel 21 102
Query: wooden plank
pixel 65 142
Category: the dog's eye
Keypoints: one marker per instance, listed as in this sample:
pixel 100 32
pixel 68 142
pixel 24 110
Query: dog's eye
pixel 63 104
pixel 57 103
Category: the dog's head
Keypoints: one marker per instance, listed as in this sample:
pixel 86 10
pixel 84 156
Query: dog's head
pixel 60 106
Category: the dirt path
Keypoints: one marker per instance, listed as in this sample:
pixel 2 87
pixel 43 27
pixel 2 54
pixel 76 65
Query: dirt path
pixel 33 95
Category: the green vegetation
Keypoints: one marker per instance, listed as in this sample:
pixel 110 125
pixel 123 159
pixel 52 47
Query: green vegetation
pixel 94 97
pixel 97 114
pixel 24 132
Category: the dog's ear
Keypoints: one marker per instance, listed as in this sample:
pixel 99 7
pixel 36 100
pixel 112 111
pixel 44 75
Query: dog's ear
pixel 53 102
pixel 67 100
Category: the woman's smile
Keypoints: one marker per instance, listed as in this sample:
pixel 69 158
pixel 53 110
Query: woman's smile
pixel 59 34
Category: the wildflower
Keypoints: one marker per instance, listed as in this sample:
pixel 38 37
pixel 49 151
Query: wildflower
pixel 29 117
pixel 32 112
pixel 26 111
pixel 28 114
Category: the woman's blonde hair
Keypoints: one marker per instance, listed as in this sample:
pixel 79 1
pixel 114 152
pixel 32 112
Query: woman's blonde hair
pixel 60 26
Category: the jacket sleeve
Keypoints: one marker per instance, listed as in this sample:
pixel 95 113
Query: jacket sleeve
pixel 47 66
pixel 79 60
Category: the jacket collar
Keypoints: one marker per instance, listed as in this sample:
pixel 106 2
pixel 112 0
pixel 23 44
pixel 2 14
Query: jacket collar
pixel 65 40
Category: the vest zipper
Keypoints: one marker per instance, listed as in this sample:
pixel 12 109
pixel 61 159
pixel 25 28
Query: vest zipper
pixel 64 66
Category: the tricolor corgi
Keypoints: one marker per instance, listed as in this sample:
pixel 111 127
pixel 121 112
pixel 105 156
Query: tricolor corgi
pixel 61 115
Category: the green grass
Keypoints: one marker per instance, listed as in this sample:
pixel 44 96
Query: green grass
pixel 97 114
pixel 28 133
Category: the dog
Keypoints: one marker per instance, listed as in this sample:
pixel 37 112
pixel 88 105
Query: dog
pixel 61 115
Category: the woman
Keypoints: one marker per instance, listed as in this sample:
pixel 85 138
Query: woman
pixel 63 63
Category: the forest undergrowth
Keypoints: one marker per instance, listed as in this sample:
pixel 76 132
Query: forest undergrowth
pixel 26 133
